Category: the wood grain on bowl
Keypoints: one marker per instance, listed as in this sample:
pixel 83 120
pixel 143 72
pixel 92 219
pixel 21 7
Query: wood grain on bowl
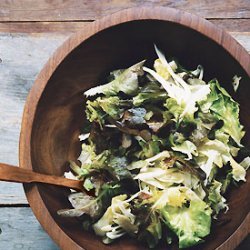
pixel 53 113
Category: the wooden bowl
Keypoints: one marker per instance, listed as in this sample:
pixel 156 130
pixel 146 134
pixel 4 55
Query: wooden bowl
pixel 54 111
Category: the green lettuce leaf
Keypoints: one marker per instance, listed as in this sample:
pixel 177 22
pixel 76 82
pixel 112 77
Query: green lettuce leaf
pixel 126 82
pixel 149 148
pixel 239 173
pixel 111 106
pixel 223 107
pixel 107 192
pixel 163 175
pixel 88 185
pixel 225 181
pixel 94 112
pixel 89 161
pixel 216 200
pixel 151 92
pixel 245 163
pixel 86 159
pixel 145 163
pixel 213 153
pixel 187 148
pixel 98 109
pixel 191 224
pixel 174 108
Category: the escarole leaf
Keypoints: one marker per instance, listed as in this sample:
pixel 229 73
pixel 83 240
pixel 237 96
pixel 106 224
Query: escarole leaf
pixel 98 109
pixel 216 200
pixel 174 108
pixel 82 204
pixel 245 163
pixel 188 95
pixel 94 112
pixel 86 159
pixel 89 161
pixel 111 106
pixel 173 196
pixel 116 221
pixel 126 82
pixel 191 224
pixel 163 175
pixel 149 148
pixel 149 161
pixel 210 153
pixel 239 173
pixel 187 148
pixel 225 108
pixel 218 154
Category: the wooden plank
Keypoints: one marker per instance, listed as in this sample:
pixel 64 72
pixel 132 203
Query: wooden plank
pixel 18 69
pixel 243 38
pixel 43 10
pixel 42 27
pixel 23 56
pixel 21 230
pixel 231 25
pixel 12 194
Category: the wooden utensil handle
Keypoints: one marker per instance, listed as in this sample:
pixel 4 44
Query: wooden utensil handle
pixel 16 174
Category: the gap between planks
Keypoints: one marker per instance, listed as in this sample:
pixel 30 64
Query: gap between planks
pixel 14 205
pixel 231 25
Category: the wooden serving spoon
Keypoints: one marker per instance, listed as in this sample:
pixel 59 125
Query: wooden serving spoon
pixel 16 174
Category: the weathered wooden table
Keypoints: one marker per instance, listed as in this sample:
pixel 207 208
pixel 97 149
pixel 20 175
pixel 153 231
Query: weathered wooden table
pixel 29 32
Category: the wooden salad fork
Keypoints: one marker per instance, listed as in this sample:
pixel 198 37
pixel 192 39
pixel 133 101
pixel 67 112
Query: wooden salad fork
pixel 15 174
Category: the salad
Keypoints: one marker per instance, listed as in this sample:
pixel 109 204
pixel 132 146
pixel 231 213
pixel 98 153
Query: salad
pixel 159 149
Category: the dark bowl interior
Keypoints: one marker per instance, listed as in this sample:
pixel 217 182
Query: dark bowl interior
pixel 60 111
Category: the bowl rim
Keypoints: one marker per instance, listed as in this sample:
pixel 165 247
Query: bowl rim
pixel 186 19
